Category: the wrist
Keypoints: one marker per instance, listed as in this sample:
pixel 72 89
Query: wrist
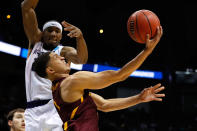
pixel 80 37
pixel 148 51
pixel 138 99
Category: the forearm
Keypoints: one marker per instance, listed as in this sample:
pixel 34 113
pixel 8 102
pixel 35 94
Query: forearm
pixel 120 103
pixel 30 23
pixel 134 64
pixel 82 51
pixel 28 4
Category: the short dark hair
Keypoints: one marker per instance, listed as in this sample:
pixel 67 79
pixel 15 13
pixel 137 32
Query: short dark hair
pixel 40 64
pixel 11 113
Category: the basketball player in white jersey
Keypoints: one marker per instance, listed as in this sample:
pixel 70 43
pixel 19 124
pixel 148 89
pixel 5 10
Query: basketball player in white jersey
pixel 41 114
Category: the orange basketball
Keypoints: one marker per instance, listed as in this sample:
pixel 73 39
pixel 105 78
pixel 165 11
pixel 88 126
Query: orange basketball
pixel 141 23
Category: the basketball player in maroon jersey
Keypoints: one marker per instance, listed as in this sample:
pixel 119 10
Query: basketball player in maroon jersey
pixel 77 107
pixel 40 112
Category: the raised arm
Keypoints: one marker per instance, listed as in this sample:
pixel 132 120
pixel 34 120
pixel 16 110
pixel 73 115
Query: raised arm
pixel 30 23
pixel 80 54
pixel 134 64
pixel 89 80
pixel 147 95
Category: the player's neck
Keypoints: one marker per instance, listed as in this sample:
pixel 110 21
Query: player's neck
pixel 57 77
pixel 49 47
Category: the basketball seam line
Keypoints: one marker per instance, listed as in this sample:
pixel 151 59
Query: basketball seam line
pixel 138 30
pixel 149 24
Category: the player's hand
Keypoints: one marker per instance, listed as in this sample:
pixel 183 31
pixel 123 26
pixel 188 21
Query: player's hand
pixel 151 43
pixel 151 93
pixel 73 30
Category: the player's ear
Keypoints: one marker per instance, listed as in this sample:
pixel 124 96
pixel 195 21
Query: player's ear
pixel 50 70
pixel 10 123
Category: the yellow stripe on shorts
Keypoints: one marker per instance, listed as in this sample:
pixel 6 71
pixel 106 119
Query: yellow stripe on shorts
pixel 65 126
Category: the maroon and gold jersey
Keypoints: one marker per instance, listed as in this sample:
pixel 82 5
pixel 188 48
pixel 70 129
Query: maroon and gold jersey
pixel 77 116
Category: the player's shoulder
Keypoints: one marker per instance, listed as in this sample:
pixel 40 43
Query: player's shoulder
pixel 80 73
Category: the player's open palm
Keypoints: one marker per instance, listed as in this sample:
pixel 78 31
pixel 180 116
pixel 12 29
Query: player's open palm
pixel 73 30
pixel 152 93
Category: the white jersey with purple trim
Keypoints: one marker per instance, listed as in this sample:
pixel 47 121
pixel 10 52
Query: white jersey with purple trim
pixel 37 88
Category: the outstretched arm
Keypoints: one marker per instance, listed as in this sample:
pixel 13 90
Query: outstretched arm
pixel 147 95
pixel 130 67
pixel 30 23
pixel 80 54
pixel 89 80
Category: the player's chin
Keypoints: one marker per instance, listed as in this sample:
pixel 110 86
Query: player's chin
pixel 53 43
pixel 67 70
pixel 22 128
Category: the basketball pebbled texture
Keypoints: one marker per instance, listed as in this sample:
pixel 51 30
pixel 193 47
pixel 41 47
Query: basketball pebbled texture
pixel 141 23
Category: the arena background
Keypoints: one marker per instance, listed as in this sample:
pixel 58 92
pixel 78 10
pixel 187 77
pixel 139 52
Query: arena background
pixel 175 56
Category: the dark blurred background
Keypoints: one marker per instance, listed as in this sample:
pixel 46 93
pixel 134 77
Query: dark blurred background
pixel 175 56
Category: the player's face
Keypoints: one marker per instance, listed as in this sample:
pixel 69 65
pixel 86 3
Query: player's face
pixel 52 36
pixel 58 64
pixel 18 122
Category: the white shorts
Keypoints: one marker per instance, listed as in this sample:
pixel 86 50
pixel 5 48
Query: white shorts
pixel 43 118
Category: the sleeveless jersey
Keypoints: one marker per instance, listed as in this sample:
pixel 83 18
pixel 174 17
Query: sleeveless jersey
pixel 37 88
pixel 77 116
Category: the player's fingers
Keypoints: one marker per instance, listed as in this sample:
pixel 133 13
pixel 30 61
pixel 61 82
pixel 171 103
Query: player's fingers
pixel 65 24
pixel 159 33
pixel 69 34
pixel 156 86
pixel 70 28
pixel 73 31
pixel 72 34
pixel 160 95
pixel 159 89
pixel 157 99
pixel 147 38
pixel 161 30
pixel 75 34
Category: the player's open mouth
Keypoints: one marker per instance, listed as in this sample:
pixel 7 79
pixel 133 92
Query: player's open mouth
pixel 53 40
pixel 23 125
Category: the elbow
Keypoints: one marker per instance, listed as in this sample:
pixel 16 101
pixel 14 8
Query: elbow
pixel 121 77
pixel 104 109
pixel 116 76
pixel 84 61
pixel 107 106
pixel 79 61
